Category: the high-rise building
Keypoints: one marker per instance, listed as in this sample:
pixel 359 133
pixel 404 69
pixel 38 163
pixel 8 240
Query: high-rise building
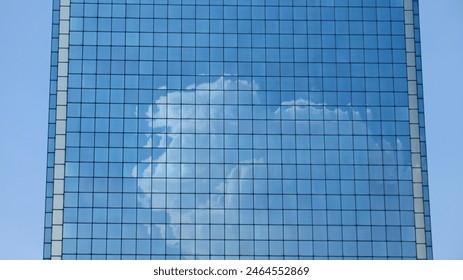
pixel 236 129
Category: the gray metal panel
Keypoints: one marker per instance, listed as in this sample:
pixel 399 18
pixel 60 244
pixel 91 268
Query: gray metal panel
pixel 60 132
pixel 414 130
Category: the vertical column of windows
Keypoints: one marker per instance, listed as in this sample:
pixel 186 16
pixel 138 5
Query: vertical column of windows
pixel 331 124
pixel 51 131
pixel 414 131
pixel 60 131
pixel 424 167
pixel 103 244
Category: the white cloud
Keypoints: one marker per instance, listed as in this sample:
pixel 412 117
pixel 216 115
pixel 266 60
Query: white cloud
pixel 203 103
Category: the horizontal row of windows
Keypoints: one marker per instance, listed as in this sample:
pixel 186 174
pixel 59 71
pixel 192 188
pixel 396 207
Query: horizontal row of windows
pixel 205 104
pixel 256 157
pixel 124 256
pixel 175 127
pixel 259 155
pixel 233 140
pixel 298 10
pixel 202 89
pixel 289 124
pixel 228 168
pixel 258 151
pixel 315 159
pixel 107 74
pixel 111 204
pixel 336 80
pixel 244 250
pixel 101 187
pixel 203 187
pixel 255 186
pixel 186 26
pixel 275 165
pixel 213 54
pixel 273 84
pixel 195 106
pixel 328 105
pixel 127 143
pixel 236 232
pixel 271 171
pixel 323 106
pixel 141 204
pixel 317 54
pixel 355 86
pixel 231 41
pixel 113 246
pixel 241 233
pixel 274 216
pixel 197 201
pixel 285 163
pixel 342 3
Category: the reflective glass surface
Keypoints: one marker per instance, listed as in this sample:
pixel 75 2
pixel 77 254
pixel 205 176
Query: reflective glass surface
pixel 235 129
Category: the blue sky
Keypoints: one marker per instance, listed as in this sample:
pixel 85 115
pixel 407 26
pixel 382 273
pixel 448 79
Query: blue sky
pixel 24 74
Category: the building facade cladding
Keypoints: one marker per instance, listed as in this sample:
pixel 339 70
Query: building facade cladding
pixel 236 129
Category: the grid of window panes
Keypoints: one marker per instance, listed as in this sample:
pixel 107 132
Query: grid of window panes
pixel 237 129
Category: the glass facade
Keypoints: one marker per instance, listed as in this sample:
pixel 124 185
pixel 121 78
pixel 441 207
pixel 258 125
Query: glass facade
pixel 236 129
